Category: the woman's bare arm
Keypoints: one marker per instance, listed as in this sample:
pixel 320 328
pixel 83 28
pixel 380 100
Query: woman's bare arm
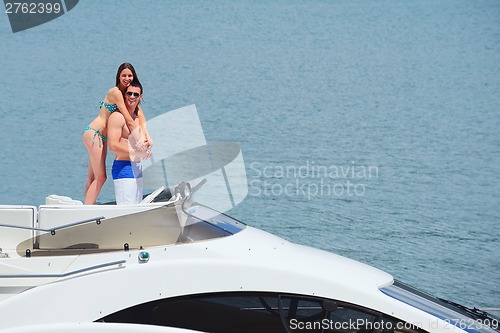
pixel 115 97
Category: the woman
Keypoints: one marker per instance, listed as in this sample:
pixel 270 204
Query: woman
pixel 94 136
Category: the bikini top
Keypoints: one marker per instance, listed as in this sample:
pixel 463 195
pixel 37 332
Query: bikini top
pixel 111 107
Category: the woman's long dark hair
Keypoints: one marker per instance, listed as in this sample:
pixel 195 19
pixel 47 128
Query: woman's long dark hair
pixel 121 68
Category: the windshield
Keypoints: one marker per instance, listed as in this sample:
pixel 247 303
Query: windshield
pixel 182 154
pixel 467 319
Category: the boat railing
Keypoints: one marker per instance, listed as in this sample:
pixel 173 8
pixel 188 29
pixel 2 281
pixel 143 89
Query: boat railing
pixel 118 263
pixel 54 229
pixel 495 311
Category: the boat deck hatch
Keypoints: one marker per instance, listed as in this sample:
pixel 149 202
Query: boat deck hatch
pixel 156 227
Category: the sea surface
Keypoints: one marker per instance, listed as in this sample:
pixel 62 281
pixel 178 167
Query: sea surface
pixel 368 128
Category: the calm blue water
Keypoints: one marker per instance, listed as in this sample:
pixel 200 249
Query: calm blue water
pixel 370 129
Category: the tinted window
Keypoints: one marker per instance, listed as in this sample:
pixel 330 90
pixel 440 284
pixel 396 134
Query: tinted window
pixel 221 313
pixel 260 313
pixel 305 314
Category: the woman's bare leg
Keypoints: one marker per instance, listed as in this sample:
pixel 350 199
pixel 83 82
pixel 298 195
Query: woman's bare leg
pixel 96 176
pixel 90 179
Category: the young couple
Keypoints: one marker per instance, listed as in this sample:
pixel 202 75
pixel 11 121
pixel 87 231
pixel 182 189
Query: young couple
pixel 122 123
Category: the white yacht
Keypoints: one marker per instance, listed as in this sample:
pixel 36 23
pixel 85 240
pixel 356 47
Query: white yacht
pixel 176 263
pixel 171 264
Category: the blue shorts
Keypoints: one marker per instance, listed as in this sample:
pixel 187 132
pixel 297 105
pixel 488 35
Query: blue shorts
pixel 126 169
pixel 127 177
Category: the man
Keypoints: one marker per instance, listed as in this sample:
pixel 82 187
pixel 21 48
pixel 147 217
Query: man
pixel 126 170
